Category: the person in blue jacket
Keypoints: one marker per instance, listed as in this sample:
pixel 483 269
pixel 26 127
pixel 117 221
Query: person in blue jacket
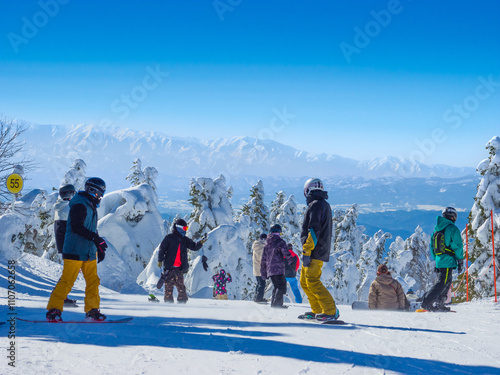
pixel 83 249
pixel 446 249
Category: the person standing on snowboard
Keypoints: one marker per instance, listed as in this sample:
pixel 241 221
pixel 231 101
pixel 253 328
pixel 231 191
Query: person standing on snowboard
pixel 273 264
pixel 83 249
pixel 174 260
pixel 316 238
pixel 446 249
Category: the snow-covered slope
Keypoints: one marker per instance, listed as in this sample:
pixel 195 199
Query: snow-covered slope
pixel 111 150
pixel 239 337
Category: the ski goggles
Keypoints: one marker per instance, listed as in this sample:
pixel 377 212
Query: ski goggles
pixel 182 227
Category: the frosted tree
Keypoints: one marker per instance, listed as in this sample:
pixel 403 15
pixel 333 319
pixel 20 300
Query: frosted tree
pixel 76 175
pixel 421 267
pixel 398 257
pixel 138 176
pixel 371 257
pixel 290 221
pixel 275 208
pixel 257 212
pixel 348 245
pixel 150 176
pixel 487 199
pixel 211 206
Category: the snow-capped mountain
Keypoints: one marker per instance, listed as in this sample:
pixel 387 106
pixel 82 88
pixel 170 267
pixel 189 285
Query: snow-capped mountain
pixel 110 151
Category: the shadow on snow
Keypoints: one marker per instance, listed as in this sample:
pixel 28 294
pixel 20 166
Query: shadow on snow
pixel 226 336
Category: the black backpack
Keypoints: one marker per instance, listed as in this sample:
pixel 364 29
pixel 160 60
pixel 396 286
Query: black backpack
pixel 439 245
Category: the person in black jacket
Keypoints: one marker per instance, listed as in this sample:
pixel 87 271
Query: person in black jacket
pixel 174 260
pixel 316 238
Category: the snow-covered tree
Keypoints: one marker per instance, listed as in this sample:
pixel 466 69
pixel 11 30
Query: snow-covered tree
pixel 421 267
pixel 487 200
pixel 275 208
pixel 257 212
pixel 290 221
pixel 130 223
pixel 398 256
pixel 211 206
pixel 342 274
pixel 76 175
pixel 371 257
pixel 138 176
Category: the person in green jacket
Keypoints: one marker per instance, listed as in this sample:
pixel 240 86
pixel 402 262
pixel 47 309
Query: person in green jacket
pixel 446 249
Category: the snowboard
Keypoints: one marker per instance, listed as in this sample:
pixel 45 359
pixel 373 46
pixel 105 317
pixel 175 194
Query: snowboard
pixel 122 320
pixel 161 280
pixel 307 318
pixel 424 310
pixel 360 305
pixel 152 298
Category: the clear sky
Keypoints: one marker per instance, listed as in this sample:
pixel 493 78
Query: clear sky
pixel 415 79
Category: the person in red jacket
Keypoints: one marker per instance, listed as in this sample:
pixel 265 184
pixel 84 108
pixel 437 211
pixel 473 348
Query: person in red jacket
pixel 291 269
pixel 174 260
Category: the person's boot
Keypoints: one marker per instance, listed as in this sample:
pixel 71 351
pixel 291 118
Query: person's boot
pixel 95 315
pixel 326 317
pixel 53 315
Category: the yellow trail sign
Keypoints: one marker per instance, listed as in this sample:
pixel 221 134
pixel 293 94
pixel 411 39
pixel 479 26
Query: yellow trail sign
pixel 14 183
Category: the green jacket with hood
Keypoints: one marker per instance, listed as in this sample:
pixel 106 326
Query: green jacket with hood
pixel 452 240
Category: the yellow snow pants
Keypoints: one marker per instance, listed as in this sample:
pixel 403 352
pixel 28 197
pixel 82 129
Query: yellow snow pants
pixel 320 299
pixel 68 278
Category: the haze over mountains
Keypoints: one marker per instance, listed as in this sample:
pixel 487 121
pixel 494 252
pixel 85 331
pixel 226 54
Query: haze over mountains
pixel 377 185
pixel 105 148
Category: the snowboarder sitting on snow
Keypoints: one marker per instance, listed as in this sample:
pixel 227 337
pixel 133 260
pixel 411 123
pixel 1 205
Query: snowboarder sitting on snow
pixel 385 292
pixel 220 279
pixel 82 245
pixel 258 249
pixel 174 260
pixel 61 213
pixel 273 264
pixel 291 269
pixel 446 249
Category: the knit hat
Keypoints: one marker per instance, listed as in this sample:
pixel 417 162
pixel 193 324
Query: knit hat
pixel 263 236
pixel 382 269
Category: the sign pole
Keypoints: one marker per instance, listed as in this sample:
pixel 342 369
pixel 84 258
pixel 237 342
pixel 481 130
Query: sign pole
pixel 467 259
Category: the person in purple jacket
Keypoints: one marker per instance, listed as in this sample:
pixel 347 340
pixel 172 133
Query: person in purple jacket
pixel 273 264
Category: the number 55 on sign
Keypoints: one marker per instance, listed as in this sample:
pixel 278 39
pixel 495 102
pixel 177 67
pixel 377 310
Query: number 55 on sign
pixel 14 183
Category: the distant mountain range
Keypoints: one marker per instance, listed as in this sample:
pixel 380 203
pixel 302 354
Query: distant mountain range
pixel 378 185
pixel 110 151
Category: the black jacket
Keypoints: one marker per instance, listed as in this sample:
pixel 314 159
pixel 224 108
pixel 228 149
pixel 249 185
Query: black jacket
pixel 169 246
pixel 318 221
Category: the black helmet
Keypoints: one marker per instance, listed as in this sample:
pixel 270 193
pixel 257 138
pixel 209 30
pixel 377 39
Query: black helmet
pixel 450 213
pixel 276 228
pixel 66 192
pixel 96 187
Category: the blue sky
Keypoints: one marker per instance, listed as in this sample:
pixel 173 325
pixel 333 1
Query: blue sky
pixel 364 79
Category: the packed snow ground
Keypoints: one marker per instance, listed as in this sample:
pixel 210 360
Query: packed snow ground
pixel 238 337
